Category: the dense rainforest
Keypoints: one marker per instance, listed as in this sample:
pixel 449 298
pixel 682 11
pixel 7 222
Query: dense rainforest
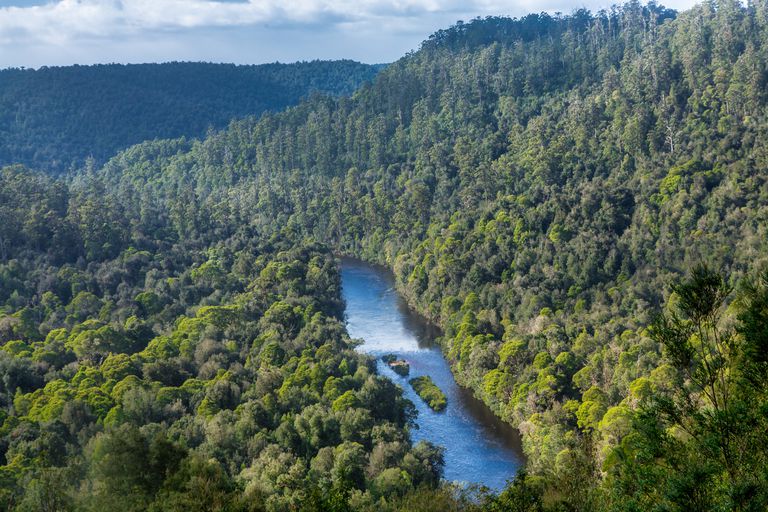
pixel 579 202
pixel 55 118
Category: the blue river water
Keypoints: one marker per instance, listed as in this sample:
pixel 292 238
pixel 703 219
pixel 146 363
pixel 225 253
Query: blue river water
pixel 479 448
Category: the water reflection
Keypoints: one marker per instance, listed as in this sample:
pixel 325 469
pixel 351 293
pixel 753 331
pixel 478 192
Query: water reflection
pixel 480 448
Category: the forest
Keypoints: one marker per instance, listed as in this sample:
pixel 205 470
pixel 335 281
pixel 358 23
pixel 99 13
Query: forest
pixel 578 201
pixel 56 118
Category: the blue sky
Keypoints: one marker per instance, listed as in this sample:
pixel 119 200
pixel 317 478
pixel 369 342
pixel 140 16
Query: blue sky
pixel 35 33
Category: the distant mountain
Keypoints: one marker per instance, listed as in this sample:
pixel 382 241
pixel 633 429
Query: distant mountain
pixel 55 118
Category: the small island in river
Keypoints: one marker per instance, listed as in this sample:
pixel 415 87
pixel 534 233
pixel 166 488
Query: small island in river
pixel 429 392
pixel 400 366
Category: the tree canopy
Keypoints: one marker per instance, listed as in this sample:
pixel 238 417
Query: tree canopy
pixel 578 201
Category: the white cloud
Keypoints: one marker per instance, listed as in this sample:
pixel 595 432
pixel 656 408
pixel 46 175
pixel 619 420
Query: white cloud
pixel 64 20
pixel 45 32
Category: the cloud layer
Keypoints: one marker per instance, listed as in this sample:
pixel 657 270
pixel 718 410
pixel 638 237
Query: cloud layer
pixel 35 32
pixel 62 21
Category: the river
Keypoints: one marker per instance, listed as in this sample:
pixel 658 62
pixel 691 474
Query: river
pixel 479 448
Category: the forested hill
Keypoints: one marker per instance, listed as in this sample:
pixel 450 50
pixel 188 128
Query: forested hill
pixel 580 202
pixel 55 117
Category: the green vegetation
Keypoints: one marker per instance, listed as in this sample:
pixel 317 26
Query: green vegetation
pixel 399 366
pixel 185 374
pixel 553 192
pixel 54 118
pixel 429 392
pixel 389 358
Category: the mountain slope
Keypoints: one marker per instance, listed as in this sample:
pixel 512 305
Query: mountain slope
pixel 52 118
pixel 536 194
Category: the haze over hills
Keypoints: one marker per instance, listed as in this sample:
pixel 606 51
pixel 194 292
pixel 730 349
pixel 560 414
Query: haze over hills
pixel 53 118
pixel 579 202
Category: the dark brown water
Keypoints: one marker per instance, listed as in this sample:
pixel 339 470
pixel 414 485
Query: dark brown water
pixel 479 448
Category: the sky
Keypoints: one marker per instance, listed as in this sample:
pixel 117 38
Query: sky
pixel 36 33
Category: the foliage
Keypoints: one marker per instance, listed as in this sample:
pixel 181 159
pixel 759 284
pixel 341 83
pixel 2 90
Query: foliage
pixel 429 392
pixel 534 184
pixel 54 118
pixel 226 398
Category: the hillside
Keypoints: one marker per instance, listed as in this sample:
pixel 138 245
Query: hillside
pixel 55 117
pixel 579 202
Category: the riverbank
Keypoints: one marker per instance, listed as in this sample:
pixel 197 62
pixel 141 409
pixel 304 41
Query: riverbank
pixel 479 447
